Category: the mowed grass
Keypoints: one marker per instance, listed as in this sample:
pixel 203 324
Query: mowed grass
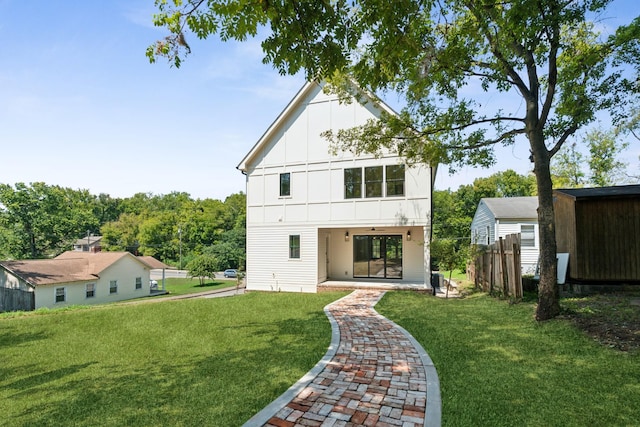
pixel 498 367
pixel 181 286
pixel 213 362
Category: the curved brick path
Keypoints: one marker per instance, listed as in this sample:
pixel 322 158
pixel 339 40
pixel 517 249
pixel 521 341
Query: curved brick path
pixel 374 374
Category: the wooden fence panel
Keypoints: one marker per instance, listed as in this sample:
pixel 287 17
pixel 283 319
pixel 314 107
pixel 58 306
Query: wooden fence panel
pixel 16 299
pixel 497 269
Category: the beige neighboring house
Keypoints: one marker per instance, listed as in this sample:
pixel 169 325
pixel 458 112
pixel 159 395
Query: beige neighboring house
pixel 72 278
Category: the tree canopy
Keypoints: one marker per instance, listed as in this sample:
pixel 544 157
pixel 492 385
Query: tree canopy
pixel 39 221
pixel 442 56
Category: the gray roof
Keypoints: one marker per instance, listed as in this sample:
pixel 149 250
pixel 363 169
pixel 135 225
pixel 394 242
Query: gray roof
pixel 512 207
pixel 91 240
pixel 617 191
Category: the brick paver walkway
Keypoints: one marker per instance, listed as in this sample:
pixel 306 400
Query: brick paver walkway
pixel 374 374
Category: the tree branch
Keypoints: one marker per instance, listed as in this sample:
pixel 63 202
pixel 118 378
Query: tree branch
pixel 566 134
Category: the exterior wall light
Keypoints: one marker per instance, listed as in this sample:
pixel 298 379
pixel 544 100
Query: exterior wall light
pixel 408 235
pixel 346 236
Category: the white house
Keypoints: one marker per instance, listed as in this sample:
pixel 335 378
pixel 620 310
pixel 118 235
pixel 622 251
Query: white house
pixel 314 216
pixel 497 217
pixel 72 278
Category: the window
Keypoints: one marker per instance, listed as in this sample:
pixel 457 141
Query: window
pixel 90 290
pixel 61 294
pixel 488 236
pixel 285 184
pixel 527 236
pixel 113 287
pixel 353 183
pixel 395 180
pixel 294 246
pixel 138 282
pixel 373 181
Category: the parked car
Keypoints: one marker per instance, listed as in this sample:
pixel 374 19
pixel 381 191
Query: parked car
pixel 230 273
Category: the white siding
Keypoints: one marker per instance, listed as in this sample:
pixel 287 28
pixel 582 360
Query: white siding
pixel 482 219
pixel 269 267
pixel 125 271
pixel 317 200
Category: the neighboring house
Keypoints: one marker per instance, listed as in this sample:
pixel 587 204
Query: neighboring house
pixel 72 278
pixel 600 230
pixel 497 217
pixel 88 244
pixel 314 216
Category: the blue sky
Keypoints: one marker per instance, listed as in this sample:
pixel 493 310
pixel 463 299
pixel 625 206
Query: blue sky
pixel 81 107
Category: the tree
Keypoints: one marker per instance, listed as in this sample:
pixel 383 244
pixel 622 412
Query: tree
pixel 543 53
pixel 566 168
pixel 604 168
pixel 604 165
pixel 42 220
pixel 448 254
pixel 203 266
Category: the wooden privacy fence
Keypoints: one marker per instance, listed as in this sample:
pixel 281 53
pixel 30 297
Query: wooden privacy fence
pixel 496 268
pixel 16 299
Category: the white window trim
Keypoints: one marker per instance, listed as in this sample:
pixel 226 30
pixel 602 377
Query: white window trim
pixel 64 294
pixel 110 287
pixel 87 290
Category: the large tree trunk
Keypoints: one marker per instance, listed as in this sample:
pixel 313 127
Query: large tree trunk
pixel 548 295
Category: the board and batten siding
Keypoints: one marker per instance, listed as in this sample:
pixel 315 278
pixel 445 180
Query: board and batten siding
pixel 316 207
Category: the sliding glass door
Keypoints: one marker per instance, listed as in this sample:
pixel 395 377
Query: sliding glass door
pixel 377 257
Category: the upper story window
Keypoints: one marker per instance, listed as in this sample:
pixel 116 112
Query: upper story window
pixel 373 181
pixel 527 236
pixel 379 181
pixel 395 180
pixel 353 183
pixel 285 184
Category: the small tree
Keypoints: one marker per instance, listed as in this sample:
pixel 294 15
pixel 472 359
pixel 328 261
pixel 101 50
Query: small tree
pixel 203 266
pixel 449 257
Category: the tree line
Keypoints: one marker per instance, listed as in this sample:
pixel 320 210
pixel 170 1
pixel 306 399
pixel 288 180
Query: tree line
pixel 41 221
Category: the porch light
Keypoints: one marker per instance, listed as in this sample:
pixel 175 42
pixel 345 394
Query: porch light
pixel 346 236
pixel 408 235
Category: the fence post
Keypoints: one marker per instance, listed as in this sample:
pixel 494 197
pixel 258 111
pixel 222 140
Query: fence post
pixel 505 273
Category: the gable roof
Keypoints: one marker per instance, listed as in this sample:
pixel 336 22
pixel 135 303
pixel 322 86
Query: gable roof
pixel 512 207
pixel 49 271
pixel 153 263
pixel 615 191
pixel 293 105
pixel 88 240
pixel 70 266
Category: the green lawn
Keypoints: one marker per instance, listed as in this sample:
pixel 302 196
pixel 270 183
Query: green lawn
pixel 216 362
pixel 179 286
pixel 499 367
pixel 210 362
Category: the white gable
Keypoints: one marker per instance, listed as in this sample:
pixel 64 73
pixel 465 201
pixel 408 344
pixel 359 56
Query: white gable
pixel 314 208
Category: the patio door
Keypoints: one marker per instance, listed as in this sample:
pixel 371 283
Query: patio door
pixel 378 256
